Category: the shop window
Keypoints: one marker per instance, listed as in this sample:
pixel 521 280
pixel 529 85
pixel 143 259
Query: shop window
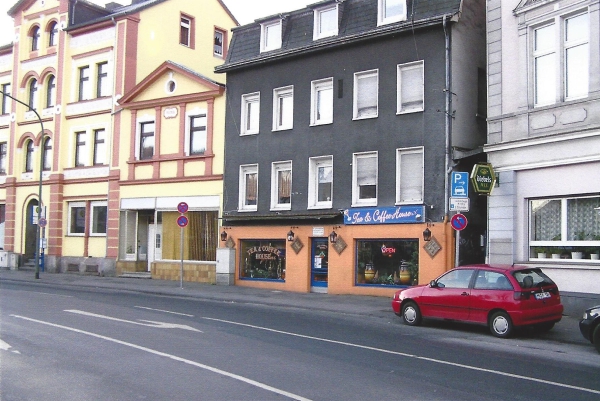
pixel 248 188
pixel 200 237
pixel 365 94
pixel 250 113
pixel 410 91
pixel 364 179
pixel 567 228
pixel 387 262
pixel 283 108
pixel 281 186
pixel 262 259
pixel 76 223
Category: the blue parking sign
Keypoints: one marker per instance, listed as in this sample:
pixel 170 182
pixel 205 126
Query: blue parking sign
pixel 459 184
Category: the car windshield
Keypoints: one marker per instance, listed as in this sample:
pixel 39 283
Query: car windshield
pixel 531 278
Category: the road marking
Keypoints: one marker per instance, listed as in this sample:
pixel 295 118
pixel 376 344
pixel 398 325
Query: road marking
pixel 422 358
pixel 56 295
pixel 173 357
pixel 4 346
pixel 149 323
pixel 162 310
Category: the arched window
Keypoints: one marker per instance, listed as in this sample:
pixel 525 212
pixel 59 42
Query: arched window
pixel 52 34
pixel 29 157
pixel 33 87
pixel 51 92
pixel 35 38
pixel 47 166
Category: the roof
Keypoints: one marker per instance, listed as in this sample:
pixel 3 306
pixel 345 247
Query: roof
pixel 357 21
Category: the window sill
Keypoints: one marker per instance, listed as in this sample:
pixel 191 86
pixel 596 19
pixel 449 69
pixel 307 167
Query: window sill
pixel 398 113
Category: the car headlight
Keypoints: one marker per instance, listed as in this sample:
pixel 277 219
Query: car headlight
pixel 592 313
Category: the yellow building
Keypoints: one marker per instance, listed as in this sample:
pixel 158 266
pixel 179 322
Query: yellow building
pixel 133 121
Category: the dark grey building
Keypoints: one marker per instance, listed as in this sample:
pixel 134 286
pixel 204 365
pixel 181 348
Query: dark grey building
pixel 347 118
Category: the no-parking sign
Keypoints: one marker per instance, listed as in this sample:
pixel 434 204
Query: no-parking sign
pixel 458 221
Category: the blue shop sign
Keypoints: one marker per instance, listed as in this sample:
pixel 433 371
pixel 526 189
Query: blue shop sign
pixel 385 215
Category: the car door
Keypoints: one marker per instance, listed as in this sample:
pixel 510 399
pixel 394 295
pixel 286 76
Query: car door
pixel 491 290
pixel 449 297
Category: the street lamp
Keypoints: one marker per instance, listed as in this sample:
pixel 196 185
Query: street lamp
pixel 39 208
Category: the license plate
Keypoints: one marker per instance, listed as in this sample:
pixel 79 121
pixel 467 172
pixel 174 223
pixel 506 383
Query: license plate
pixel 542 295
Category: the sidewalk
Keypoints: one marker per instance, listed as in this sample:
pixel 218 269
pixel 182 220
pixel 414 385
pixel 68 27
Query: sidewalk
pixel 567 331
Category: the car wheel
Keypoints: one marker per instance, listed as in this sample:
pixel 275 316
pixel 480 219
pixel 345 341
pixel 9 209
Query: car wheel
pixel 501 325
pixel 544 327
pixel 411 314
pixel 596 337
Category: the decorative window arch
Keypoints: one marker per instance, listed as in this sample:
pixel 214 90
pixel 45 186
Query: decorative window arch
pixel 34 35
pixel 52 30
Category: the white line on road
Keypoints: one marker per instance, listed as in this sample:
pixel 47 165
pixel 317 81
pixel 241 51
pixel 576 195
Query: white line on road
pixel 149 323
pixel 422 358
pixel 173 357
pixel 4 346
pixel 162 310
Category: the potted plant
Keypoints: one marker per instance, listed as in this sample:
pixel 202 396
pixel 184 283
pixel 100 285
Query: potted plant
pixel 540 252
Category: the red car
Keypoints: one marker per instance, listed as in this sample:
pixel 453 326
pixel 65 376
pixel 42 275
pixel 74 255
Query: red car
pixel 501 297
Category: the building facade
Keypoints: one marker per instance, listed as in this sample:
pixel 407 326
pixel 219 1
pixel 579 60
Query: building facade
pixel 133 120
pixel 344 122
pixel 544 138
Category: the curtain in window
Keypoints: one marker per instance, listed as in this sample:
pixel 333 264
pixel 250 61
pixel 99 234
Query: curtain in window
pixel 366 102
pixel 412 88
pixel 366 177
pixel 202 235
pixel 284 186
pixel 251 188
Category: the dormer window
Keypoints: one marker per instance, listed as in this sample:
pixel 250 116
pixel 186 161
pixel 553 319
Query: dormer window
pixel 270 36
pixel 390 11
pixel 326 22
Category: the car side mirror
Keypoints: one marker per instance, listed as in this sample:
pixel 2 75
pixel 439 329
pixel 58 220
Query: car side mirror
pixel 433 284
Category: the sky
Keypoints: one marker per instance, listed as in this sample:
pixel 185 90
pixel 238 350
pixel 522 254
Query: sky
pixel 245 11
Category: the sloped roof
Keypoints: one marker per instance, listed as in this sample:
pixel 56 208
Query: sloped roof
pixel 358 22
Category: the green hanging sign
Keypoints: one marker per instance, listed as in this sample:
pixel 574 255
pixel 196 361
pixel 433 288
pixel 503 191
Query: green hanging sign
pixel 483 178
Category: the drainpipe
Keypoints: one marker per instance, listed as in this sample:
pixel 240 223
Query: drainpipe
pixel 447 125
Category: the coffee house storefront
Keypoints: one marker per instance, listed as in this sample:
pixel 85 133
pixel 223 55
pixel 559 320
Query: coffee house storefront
pixel 362 251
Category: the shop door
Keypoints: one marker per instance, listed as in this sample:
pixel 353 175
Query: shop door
pixel 319 265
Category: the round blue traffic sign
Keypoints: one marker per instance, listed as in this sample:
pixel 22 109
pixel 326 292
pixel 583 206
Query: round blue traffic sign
pixel 458 221
pixel 182 207
pixel 182 221
pixel 42 222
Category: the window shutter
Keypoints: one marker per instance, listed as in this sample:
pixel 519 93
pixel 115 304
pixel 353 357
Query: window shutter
pixel 411 177
pixel 366 102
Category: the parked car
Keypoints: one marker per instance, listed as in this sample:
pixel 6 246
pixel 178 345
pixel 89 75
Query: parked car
pixel 590 326
pixel 501 297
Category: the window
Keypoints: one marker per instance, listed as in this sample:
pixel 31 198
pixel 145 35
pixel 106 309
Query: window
pixel 320 182
pixel 248 187
pixel 321 102
pixel 544 65
pixel 76 222
pixel 566 228
pixel 80 150
pixel 576 56
pixel 364 178
pixel 185 33
pixel 219 45
pixel 365 94
pixel 396 262
pixel 283 108
pixel 98 217
pixel 35 38
pixel 326 22
pixel 391 11
pixel 410 88
pixel 33 94
pixel 51 92
pixel 460 278
pixel 281 186
pixel 3 156
pixel 270 36
pixel 29 156
pixel 47 162
pixel 409 175
pixel 85 87
pixel 262 259
pixel 52 34
pixel 146 140
pixel 5 99
pixel 103 83
pixel 250 113
pixel 198 134
pixel 99 147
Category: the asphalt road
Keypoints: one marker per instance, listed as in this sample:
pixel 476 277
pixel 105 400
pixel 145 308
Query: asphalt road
pixel 68 343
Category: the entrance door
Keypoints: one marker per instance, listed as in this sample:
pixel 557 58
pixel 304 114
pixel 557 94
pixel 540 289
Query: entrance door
pixel 154 243
pixel 30 230
pixel 319 265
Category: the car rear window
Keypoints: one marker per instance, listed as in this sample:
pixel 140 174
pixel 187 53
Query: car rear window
pixel 531 278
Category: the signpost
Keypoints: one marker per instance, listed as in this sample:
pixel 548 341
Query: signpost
pixel 459 185
pixel 459 222
pixel 483 178
pixel 182 221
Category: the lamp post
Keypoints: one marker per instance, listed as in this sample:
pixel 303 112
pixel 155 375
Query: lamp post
pixel 38 236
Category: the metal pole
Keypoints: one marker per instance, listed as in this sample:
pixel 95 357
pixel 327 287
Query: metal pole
pixel 38 235
pixel 181 269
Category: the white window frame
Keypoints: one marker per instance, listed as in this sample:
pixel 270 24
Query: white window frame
pixel 316 87
pixel 400 152
pixel 276 167
pixel 382 19
pixel 93 206
pixel 246 170
pixel 356 200
pixel 318 33
pixel 541 53
pixel 280 95
pixel 569 45
pixel 72 205
pixel 358 77
pixel 250 99
pixel 314 163
pixel 269 40
pixel 400 109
